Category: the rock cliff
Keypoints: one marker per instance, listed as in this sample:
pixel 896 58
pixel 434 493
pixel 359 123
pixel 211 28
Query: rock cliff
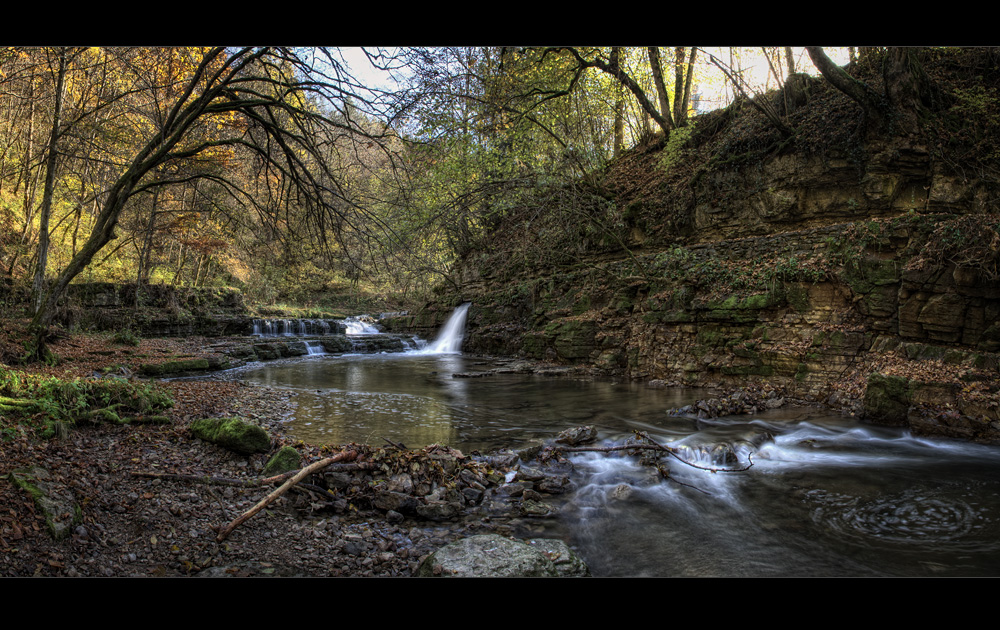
pixel 830 267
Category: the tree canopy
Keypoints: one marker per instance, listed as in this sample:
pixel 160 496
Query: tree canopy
pixel 272 168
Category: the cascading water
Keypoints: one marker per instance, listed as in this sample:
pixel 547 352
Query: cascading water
pixel 314 347
pixel 294 327
pixel 360 325
pixel 449 340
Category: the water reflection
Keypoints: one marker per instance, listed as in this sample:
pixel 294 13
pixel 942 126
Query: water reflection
pixel 414 399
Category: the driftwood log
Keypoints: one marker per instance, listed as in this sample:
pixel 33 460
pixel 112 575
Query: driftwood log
pixel 285 487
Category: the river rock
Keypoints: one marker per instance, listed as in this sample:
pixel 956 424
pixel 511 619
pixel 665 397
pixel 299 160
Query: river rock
pixel 578 435
pixel 54 500
pixel 285 460
pixel 395 502
pixel 439 510
pixel 887 399
pixel 232 433
pixel 491 555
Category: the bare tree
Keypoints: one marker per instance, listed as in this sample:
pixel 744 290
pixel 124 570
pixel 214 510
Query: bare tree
pixel 279 106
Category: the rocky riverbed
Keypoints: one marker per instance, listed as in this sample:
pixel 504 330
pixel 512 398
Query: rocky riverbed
pixel 139 505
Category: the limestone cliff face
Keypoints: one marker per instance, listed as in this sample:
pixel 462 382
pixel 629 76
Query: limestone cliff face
pixel 806 272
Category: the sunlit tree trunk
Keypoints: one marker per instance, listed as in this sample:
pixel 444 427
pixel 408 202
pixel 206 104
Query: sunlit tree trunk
pixel 653 52
pixel 38 286
pixel 619 130
pixel 142 275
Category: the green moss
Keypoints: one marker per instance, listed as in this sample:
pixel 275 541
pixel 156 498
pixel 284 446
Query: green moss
pixel 285 460
pixel 748 370
pixel 52 404
pixel 234 434
pixel 864 274
pixel 746 351
pixel 887 399
pixel 59 508
pixel 801 372
pixel 126 337
pixel 173 367
pixel 757 302
pixel 710 337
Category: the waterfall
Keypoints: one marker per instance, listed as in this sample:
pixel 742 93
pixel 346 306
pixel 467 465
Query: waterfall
pixel 449 340
pixel 361 325
pixel 315 347
pixel 295 327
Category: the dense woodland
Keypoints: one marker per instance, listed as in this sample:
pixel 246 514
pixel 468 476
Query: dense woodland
pixel 278 171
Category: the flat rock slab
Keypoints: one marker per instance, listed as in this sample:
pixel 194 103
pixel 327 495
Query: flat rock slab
pixel 491 555
pixel 56 502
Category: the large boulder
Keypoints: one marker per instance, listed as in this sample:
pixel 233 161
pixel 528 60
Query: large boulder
pixel 232 433
pixel 490 555
pixel 887 399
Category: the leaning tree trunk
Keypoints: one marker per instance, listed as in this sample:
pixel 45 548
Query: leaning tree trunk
pixel 872 103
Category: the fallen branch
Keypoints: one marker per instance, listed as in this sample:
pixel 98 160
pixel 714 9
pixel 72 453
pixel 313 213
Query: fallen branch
pixel 242 483
pixel 302 474
pixel 210 481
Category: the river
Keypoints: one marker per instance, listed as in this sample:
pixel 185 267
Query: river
pixel 827 496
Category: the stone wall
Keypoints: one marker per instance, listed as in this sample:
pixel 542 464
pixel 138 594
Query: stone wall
pixel 156 310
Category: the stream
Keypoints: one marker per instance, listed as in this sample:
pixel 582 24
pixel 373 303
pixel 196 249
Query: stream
pixel 825 496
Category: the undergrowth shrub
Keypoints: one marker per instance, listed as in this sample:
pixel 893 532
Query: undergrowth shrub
pixel 49 404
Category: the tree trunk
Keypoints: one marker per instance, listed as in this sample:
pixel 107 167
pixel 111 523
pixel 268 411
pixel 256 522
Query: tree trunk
pixel 653 53
pixel 909 90
pixel 38 287
pixel 681 118
pixel 142 276
pixel 619 132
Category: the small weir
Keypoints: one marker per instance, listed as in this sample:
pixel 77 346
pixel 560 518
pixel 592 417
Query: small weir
pixel 297 327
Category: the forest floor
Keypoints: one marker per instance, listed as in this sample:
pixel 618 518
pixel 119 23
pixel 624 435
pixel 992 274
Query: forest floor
pixel 133 525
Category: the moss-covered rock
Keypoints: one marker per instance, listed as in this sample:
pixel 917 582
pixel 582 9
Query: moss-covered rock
pixel 56 502
pixel 232 433
pixel 173 367
pixel 887 399
pixel 285 460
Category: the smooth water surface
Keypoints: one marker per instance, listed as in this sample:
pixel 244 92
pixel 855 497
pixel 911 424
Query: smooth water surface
pixel 825 496
pixel 413 398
